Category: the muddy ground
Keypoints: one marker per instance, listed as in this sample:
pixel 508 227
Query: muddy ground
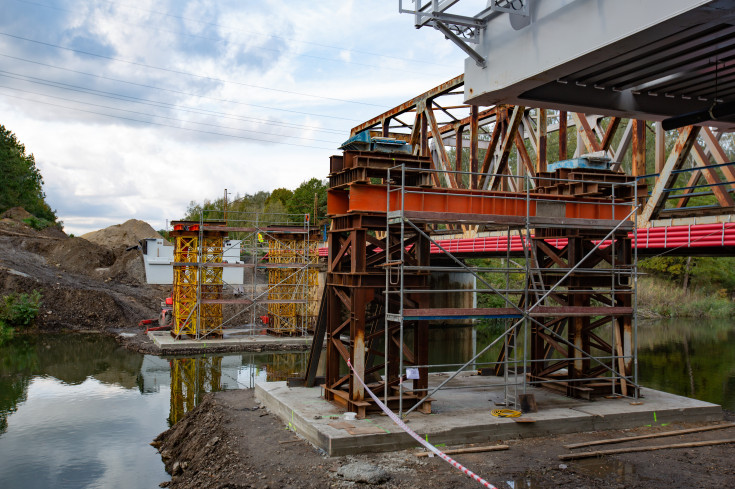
pixel 229 442
pixel 84 286
pixel 94 283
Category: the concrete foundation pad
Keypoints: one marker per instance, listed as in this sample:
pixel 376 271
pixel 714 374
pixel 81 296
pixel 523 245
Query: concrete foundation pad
pixel 232 340
pixel 461 415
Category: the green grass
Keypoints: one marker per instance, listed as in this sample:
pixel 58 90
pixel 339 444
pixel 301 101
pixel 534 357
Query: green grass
pixel 665 298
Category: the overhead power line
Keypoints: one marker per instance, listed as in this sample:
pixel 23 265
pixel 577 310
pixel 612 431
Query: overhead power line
pixel 166 117
pixel 219 40
pixel 166 125
pixel 186 73
pixel 180 92
pixel 272 36
pixel 158 104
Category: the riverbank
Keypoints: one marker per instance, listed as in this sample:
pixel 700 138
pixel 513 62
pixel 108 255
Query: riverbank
pixel 229 441
pixel 659 298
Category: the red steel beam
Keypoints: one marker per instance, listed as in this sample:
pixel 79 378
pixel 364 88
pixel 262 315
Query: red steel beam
pixel 372 198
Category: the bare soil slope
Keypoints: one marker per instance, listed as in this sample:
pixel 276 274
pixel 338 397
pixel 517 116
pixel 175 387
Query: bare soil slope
pixel 84 285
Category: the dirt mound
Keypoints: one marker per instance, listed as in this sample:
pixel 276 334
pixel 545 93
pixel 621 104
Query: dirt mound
pixel 79 255
pixel 11 223
pixel 70 303
pixel 122 235
pixel 128 268
pixel 210 447
pixel 16 214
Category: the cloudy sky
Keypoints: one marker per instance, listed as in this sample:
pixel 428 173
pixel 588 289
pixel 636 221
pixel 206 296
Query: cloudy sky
pixel 134 109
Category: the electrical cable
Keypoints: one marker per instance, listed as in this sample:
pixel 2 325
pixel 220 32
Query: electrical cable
pixel 199 21
pixel 178 72
pixel 506 413
pixel 167 125
pixel 166 117
pixel 188 34
pixel 189 94
pixel 155 103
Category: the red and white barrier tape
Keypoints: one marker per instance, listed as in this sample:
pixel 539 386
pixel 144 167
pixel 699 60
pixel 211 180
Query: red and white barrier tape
pixel 416 437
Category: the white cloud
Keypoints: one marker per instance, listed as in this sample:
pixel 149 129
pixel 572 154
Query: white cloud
pixel 101 170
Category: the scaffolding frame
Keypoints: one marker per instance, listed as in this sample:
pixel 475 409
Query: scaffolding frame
pixel 284 245
pixel 534 366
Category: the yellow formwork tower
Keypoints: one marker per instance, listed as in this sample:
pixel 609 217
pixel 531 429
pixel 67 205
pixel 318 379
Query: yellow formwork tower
pixel 210 315
pixel 292 281
pixel 186 282
pixel 197 294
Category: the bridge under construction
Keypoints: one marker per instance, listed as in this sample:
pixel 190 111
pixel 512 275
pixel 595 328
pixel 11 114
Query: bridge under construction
pixel 520 195
pixel 565 198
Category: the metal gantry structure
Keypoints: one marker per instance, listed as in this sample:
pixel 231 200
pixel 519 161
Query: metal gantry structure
pixel 570 324
pixel 283 247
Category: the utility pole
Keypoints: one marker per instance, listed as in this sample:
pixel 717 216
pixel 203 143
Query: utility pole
pixel 224 207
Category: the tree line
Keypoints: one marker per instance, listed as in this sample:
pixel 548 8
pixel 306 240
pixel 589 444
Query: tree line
pixel 21 183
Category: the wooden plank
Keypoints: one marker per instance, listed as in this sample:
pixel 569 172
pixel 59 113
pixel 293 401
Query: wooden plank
pixel 650 435
pixel 598 453
pixel 454 451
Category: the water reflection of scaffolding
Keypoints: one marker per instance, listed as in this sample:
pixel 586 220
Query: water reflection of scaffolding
pixel 191 378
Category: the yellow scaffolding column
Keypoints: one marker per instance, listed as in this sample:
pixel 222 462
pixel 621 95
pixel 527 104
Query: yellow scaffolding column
pixel 292 280
pixel 210 314
pixel 186 275
pixel 197 279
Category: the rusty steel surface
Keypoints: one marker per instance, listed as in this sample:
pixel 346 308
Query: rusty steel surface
pixel 372 198
pixel 582 332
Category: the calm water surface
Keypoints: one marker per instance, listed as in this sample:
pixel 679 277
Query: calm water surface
pixel 78 411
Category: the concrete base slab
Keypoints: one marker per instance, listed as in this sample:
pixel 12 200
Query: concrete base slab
pixel 232 340
pixel 461 415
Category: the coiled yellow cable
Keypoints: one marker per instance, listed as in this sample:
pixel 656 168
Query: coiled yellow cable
pixel 505 413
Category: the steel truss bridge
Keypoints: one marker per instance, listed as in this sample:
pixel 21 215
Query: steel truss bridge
pixel 478 183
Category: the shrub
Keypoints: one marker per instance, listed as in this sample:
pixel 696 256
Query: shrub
pixel 20 310
pixel 6 332
pixel 38 223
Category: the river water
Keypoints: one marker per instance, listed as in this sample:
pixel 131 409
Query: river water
pixel 79 411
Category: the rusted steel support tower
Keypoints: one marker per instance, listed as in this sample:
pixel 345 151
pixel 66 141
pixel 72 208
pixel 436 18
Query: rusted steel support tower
pixel 495 170
pixel 356 281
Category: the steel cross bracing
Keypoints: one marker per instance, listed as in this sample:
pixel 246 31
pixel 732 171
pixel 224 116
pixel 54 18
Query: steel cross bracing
pixel 575 292
pixel 685 165
pixel 574 313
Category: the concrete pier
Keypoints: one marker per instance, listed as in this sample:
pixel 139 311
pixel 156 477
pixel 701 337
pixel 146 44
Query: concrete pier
pixel 462 415
pixel 233 340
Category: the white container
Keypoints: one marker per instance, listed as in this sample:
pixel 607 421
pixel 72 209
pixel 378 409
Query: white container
pixel 350 416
